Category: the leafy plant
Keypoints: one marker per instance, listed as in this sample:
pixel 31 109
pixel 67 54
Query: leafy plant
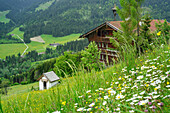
pixel 90 57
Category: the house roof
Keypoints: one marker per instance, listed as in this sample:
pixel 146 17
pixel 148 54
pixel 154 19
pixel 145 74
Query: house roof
pixel 116 25
pixel 153 25
pixel 98 27
pixel 51 76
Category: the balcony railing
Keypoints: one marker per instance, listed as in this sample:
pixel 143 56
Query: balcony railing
pixel 106 49
pixel 113 55
pixel 104 39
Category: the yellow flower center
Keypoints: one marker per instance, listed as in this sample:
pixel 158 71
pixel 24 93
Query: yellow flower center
pixel 155 89
pixel 143 103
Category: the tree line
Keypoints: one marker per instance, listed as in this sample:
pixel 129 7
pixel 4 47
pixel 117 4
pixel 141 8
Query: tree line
pixel 65 17
pixel 18 69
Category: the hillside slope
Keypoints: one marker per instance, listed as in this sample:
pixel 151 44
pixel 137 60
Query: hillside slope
pixel 142 85
pixel 64 17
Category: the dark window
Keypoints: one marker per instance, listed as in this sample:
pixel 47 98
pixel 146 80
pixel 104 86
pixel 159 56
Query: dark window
pixel 45 85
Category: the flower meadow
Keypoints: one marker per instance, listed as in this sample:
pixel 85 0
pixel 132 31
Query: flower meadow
pixel 141 85
pixel 144 88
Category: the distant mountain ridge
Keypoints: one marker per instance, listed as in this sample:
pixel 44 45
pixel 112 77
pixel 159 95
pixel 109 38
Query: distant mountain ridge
pixel 65 17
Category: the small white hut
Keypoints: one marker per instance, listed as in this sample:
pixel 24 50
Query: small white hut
pixel 48 80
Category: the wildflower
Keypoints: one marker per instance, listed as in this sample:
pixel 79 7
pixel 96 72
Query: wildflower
pixel 112 92
pixel 116 82
pixel 80 96
pixel 92 104
pixel 153 107
pixel 155 89
pixel 147 97
pixel 119 78
pixel 100 88
pixel 142 93
pixel 140 77
pixel 161 104
pixel 149 103
pixel 88 91
pixel 139 97
pixel 143 102
pixel 146 110
pixel 119 96
pixel 167 83
pixel 159 33
pixel 89 109
pixel 80 109
pixel 131 111
pixel 156 96
pixel 147 85
pixel 148 75
pixel 168 86
pixel 104 103
pixel 96 107
pixel 105 97
pixel 132 103
pixel 118 109
pixel 64 103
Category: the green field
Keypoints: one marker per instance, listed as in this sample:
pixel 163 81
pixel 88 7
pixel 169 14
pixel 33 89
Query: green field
pixel 44 6
pixel 17 32
pixel 3 16
pixel 18 89
pixel 10 49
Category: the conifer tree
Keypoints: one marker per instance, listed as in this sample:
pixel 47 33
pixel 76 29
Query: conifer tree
pixel 131 15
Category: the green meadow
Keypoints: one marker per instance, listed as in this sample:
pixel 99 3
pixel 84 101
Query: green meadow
pixel 44 6
pixel 3 16
pixel 20 89
pixel 17 32
pixel 133 85
pixel 10 49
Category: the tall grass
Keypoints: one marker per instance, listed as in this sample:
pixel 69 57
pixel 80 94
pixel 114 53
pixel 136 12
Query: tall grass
pixel 99 91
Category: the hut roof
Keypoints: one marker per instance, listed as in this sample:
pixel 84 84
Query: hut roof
pixel 51 76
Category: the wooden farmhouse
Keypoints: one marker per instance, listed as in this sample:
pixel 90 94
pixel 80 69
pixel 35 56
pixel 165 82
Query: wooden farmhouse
pixel 102 34
pixel 48 80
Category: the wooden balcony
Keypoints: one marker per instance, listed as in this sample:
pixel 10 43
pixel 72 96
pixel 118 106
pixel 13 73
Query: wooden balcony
pixel 104 39
pixel 112 55
pixel 104 49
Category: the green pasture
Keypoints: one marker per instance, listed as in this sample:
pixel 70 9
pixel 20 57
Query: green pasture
pixel 10 49
pixel 17 32
pixel 44 6
pixel 3 16
pixel 19 89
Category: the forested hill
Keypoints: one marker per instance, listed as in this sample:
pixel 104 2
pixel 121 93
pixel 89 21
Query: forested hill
pixel 64 17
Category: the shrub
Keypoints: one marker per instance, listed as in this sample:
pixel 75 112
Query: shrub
pixel 24 82
pixel 16 83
